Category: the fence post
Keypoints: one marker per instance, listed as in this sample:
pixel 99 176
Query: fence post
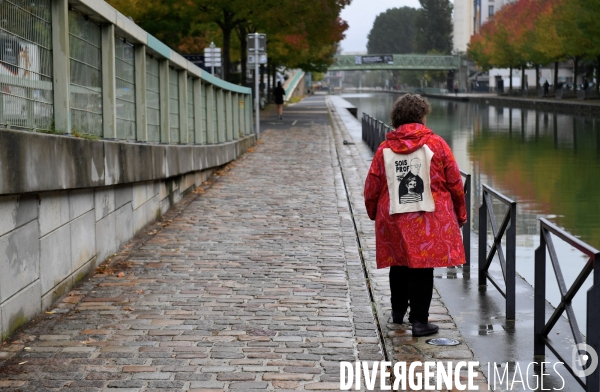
pixel 141 126
pixel 210 113
pixel 511 248
pixel 221 124
pixel 466 229
pixel 593 320
pixel 165 126
pixel 539 304
pixel 109 83
pixel 482 239
pixel 228 116
pixel 183 118
pixel 198 115
pixel 61 65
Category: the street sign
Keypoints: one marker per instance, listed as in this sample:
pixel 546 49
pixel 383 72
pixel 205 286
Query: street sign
pixel 212 56
pixel 262 58
pixel 257 54
pixel 262 43
pixel 385 59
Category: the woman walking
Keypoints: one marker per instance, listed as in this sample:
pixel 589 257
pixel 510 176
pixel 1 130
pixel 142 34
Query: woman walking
pixel 279 94
pixel 414 193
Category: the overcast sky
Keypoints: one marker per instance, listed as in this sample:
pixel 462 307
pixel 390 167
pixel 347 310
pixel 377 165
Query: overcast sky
pixel 360 15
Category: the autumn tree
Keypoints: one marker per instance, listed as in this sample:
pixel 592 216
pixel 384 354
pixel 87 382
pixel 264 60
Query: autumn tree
pixel 301 33
pixel 393 32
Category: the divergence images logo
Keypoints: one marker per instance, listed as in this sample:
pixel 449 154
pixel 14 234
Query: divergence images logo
pixel 584 360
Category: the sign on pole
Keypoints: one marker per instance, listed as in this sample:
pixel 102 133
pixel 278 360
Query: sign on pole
pixel 212 57
pixel 261 43
pixel 257 54
pixel 262 58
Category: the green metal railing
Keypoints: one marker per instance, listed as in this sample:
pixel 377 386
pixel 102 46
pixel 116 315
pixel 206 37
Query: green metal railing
pixel 84 68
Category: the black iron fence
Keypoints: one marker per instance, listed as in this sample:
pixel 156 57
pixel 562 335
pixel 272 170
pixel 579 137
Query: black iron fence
pixel 506 259
pixel 373 131
pixel 586 371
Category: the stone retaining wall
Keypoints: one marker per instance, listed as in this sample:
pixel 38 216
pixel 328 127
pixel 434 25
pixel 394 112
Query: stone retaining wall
pixel 67 204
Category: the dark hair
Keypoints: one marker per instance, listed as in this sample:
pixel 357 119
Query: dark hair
pixel 409 108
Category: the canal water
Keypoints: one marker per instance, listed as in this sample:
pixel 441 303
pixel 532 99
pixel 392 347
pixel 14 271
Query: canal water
pixel 549 163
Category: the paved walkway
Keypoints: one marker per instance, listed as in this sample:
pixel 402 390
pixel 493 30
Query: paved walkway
pixel 255 282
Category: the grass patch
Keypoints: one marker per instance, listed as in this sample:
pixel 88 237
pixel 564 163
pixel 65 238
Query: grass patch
pixel 295 99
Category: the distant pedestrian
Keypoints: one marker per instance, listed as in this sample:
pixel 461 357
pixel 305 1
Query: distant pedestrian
pixel 586 84
pixel 279 94
pixel 546 87
pixel 414 193
pixel 455 89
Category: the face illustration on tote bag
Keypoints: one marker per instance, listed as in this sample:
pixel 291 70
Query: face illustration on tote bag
pixel 408 180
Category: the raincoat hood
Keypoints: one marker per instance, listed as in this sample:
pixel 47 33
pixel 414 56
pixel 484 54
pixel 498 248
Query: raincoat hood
pixel 408 138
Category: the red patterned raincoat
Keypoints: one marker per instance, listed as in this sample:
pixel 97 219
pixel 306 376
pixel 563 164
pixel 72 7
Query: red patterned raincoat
pixel 418 239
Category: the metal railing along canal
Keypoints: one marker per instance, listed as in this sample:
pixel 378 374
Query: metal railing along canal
pixel 542 328
pixel 507 261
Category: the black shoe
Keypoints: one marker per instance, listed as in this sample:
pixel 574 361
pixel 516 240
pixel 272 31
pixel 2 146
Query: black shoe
pixel 398 316
pixel 420 329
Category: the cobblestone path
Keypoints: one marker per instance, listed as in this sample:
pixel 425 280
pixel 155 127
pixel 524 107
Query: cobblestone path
pixel 255 284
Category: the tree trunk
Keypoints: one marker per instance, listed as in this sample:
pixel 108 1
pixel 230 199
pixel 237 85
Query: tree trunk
pixel 227 27
pixel 575 69
pixel 243 35
pixel 225 53
pixel 510 81
pixel 269 81
pixel 537 77
pixel 555 75
pixel 598 75
pixel 522 79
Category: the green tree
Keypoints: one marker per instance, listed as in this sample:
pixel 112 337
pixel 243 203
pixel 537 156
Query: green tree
pixel 393 32
pixel 434 27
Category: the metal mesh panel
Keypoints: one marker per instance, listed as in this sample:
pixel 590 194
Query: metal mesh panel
pixel 26 99
pixel 215 120
pixel 190 109
pixel 174 105
pixel 152 99
pixel 203 111
pixel 86 75
pixel 125 81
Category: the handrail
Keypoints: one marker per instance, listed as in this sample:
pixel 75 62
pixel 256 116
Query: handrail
pixel 374 131
pixel 542 328
pixel 507 262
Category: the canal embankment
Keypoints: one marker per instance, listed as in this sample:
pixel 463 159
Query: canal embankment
pixel 567 105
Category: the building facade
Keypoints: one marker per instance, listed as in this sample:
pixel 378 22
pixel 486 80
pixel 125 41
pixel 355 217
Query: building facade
pixel 464 24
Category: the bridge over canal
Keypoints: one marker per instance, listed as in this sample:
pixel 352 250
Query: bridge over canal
pixel 396 62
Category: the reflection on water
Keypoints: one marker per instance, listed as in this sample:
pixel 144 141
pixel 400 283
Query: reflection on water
pixel 548 163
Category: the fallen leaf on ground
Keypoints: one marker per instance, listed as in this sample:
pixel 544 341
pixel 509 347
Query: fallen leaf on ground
pixel 120 274
pixel 128 308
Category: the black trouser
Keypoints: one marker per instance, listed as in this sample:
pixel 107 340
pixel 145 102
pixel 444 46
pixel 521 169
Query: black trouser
pixel 414 285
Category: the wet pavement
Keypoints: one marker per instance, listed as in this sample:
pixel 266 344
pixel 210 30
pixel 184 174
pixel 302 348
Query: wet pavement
pixel 263 279
pixel 250 284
